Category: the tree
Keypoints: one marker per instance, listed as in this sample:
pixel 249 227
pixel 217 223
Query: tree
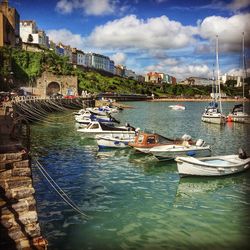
pixel 231 83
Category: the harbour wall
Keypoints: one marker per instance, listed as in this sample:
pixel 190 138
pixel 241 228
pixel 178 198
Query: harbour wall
pixel 19 224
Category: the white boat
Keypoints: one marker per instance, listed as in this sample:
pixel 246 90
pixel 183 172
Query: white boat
pixel 168 152
pixel 213 166
pixel 82 113
pixel 83 121
pixel 114 141
pixel 238 113
pixel 213 113
pixel 103 110
pixel 97 128
pixel 177 107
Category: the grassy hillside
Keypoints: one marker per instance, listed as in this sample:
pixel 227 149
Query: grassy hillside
pixel 19 67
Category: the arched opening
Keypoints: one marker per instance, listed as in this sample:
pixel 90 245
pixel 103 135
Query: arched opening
pixel 53 88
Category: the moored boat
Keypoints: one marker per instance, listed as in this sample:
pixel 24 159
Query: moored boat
pixel 213 112
pixel 114 141
pixel 238 115
pixel 95 128
pixel 213 166
pixel 144 141
pixel 213 115
pixel 168 152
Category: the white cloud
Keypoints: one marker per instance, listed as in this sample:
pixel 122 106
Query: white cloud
pixel 66 37
pixel 162 65
pixel 98 7
pixel 65 6
pixel 152 33
pixel 89 7
pixel 238 4
pixel 229 30
pixel 119 58
pixel 184 71
pixel 180 69
pixel 238 72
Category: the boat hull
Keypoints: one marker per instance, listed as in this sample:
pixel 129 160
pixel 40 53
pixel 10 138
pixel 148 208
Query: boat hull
pixel 92 134
pixel 114 141
pixel 174 151
pixel 239 118
pixel 217 119
pixel 220 167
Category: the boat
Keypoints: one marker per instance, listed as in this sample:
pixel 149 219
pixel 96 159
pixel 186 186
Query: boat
pixel 177 107
pixel 103 110
pixel 83 121
pixel 238 113
pixel 213 166
pixel 169 152
pixel 82 113
pixel 95 128
pixel 144 141
pixel 114 141
pixel 213 112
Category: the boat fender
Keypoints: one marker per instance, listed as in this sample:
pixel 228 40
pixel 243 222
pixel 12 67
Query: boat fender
pixel 242 154
pixel 229 119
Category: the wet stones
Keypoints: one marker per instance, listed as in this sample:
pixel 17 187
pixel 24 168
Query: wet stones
pixel 18 215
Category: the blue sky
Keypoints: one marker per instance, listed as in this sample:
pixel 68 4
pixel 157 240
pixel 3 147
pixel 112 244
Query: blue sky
pixel 171 36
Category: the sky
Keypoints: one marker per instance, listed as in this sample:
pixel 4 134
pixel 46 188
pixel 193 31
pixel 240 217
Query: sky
pixel 169 36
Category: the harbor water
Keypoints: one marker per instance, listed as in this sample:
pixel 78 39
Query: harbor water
pixel 132 200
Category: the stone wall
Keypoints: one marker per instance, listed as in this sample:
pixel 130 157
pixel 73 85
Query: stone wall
pixel 65 82
pixel 19 227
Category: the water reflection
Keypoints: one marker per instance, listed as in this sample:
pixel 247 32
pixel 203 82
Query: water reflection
pixel 134 200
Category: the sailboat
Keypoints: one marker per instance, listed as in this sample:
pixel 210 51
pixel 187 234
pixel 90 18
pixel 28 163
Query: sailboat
pixel 238 113
pixel 213 112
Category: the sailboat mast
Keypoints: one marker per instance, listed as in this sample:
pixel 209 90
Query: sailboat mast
pixel 214 87
pixel 243 69
pixel 218 71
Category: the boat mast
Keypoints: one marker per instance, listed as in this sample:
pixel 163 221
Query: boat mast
pixel 243 69
pixel 218 71
pixel 214 87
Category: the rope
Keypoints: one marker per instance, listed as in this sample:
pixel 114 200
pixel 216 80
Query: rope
pixel 58 189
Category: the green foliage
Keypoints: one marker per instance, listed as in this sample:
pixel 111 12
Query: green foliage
pixel 26 66
pixel 231 83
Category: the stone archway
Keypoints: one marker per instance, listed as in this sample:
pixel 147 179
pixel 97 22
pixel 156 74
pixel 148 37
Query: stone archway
pixel 53 88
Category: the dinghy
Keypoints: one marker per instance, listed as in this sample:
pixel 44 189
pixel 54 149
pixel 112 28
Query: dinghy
pixel 213 166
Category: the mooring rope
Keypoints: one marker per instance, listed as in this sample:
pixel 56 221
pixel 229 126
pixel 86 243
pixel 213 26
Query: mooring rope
pixel 58 189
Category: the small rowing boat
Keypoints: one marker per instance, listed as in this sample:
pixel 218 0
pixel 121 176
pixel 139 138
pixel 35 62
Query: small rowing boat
pixel 213 166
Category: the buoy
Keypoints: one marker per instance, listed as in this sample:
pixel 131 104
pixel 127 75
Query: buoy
pixel 229 119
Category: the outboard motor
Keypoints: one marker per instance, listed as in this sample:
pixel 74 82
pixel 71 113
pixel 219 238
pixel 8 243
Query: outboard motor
pixel 242 154
pixel 200 143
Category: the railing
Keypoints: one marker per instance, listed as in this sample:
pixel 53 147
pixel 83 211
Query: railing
pixel 34 98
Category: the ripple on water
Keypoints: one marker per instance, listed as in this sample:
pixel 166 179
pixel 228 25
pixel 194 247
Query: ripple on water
pixel 134 201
